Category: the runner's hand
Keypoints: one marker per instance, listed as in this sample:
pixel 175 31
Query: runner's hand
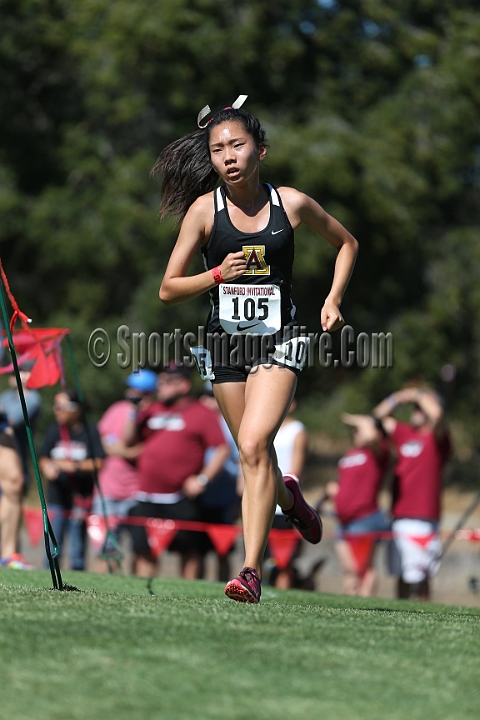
pixel 331 318
pixel 233 266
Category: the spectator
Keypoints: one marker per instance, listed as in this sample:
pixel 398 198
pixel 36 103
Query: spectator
pixel 65 461
pixel 176 431
pixel 118 477
pixel 291 447
pixel 11 484
pixel 10 400
pixel 355 495
pixel 220 501
pixel 423 447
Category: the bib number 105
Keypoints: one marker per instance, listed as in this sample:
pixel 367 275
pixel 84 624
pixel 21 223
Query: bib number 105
pixel 250 309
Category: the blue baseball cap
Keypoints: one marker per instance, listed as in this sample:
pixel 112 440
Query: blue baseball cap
pixel 144 380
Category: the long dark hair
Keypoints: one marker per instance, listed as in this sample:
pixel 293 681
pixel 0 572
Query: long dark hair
pixel 185 164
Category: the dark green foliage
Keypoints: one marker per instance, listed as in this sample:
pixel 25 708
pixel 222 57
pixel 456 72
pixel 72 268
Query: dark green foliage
pixel 372 107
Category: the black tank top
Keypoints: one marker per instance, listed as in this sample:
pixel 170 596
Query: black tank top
pixel 269 254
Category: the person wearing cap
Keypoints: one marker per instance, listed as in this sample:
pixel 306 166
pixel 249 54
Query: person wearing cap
pixel 175 431
pixel 118 477
pixel 11 403
pixel 423 447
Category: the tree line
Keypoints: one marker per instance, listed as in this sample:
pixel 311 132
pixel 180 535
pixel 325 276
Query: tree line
pixel 370 106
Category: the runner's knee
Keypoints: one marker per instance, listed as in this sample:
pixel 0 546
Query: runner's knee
pixel 253 450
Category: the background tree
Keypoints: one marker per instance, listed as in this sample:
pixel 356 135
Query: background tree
pixel 371 106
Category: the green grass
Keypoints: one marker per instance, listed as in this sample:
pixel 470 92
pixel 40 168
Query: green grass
pixel 115 651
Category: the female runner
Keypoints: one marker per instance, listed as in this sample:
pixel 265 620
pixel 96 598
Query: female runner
pixel 245 230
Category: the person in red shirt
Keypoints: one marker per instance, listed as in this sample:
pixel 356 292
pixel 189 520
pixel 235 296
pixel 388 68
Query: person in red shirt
pixel 175 432
pixel 423 447
pixel 355 494
pixel 118 477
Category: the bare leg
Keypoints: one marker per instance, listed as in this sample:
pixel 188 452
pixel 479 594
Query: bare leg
pixel 349 567
pixel 223 568
pixel 368 583
pixel 101 566
pixel 11 484
pixel 285 578
pixel 145 566
pixel 254 423
pixel 191 566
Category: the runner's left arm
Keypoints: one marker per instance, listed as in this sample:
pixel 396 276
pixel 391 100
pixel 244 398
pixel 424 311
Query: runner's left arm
pixel 303 209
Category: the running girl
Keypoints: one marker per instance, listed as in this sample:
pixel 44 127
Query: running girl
pixel 245 230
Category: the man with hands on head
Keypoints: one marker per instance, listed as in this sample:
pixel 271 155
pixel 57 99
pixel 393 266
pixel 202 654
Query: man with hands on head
pixel 423 447
pixel 360 474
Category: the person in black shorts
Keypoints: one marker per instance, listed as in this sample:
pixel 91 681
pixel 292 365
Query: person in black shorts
pixel 245 231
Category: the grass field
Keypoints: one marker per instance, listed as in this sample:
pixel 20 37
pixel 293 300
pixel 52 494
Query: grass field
pixel 117 651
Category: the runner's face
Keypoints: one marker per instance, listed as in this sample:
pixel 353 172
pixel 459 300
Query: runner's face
pixel 233 152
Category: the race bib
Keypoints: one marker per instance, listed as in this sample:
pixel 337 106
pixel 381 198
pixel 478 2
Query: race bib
pixel 203 361
pixel 250 308
pixel 292 353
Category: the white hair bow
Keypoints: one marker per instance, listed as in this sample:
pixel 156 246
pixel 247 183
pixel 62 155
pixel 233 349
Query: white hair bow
pixel 206 110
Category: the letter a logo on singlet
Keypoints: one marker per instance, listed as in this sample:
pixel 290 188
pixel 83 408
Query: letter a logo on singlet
pixel 255 257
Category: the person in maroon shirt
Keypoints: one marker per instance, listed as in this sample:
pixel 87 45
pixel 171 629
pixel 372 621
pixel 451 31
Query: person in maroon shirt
pixel 423 447
pixel 355 495
pixel 175 432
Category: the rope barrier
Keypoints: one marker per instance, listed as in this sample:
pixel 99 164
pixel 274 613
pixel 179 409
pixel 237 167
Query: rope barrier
pixel 161 532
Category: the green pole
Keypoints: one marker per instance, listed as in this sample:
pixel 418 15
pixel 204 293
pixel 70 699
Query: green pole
pixel 47 527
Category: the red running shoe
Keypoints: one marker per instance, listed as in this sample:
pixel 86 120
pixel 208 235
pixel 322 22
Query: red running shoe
pixel 244 588
pixel 304 517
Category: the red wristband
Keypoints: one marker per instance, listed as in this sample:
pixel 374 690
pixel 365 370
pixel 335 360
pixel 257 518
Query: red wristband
pixel 217 275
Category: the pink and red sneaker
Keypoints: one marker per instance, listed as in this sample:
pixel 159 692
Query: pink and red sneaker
pixel 304 517
pixel 244 588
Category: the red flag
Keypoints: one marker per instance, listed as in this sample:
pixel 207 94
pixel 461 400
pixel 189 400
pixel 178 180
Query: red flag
pixel 46 370
pixel 41 345
pixel 472 535
pixel 33 519
pixel 362 550
pixel 160 534
pixel 222 537
pixel 282 544
pixel 422 540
